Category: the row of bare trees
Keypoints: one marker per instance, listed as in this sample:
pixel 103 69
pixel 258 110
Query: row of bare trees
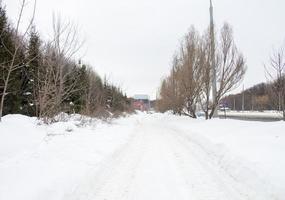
pixel 188 87
pixel 43 78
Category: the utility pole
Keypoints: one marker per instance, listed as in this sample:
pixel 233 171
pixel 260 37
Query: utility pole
pixel 243 98
pixel 252 102
pixel 213 60
pixel 173 89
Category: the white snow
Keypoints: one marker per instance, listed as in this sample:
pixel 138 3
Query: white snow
pixel 254 114
pixel 44 162
pixel 247 150
pixel 143 156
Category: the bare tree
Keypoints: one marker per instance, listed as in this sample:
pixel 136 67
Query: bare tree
pixel 190 74
pixel 230 66
pixel 66 44
pixel 173 92
pixel 191 79
pixel 13 65
pixel 204 98
pixel 181 90
pixel 93 95
pixel 55 86
pixel 169 98
pixel 276 74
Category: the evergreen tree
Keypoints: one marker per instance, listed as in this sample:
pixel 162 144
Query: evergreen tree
pixel 6 47
pixel 16 88
pixel 12 103
pixel 79 79
pixel 33 71
pixel 35 85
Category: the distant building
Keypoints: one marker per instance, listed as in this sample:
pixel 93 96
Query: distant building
pixel 141 102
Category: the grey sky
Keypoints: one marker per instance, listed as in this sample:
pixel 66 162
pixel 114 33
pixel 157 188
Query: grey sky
pixel 132 41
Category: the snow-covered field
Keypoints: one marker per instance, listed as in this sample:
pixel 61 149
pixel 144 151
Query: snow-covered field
pixel 144 157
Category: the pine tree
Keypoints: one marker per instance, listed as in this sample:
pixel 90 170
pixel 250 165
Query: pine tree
pixel 79 79
pixel 6 45
pixel 16 88
pixel 12 103
pixel 33 72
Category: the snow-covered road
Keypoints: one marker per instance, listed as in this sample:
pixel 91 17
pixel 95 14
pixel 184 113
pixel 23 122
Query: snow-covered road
pixel 159 162
pixel 141 157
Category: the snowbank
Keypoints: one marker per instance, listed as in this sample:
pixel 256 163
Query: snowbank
pixel 252 152
pixel 43 161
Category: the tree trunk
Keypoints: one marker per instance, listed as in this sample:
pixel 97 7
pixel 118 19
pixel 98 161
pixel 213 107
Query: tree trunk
pixel 207 114
pixel 283 108
pixel 4 94
pixel 215 105
pixel 1 107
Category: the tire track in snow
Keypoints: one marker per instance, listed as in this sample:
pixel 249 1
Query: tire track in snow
pixel 212 162
pixel 159 163
pixel 204 182
pixel 114 176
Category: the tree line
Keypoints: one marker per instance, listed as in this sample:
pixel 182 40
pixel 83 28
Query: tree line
pixel 264 96
pixel 259 97
pixel 43 78
pixel 188 87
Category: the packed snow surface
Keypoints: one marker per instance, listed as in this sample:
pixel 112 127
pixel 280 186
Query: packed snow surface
pixel 143 157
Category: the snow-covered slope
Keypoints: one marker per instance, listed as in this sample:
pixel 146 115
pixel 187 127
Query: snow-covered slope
pixel 143 156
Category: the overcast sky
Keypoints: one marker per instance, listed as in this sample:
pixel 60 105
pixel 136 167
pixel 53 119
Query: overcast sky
pixel 132 41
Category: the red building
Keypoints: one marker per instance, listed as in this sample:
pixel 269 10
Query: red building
pixel 141 102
